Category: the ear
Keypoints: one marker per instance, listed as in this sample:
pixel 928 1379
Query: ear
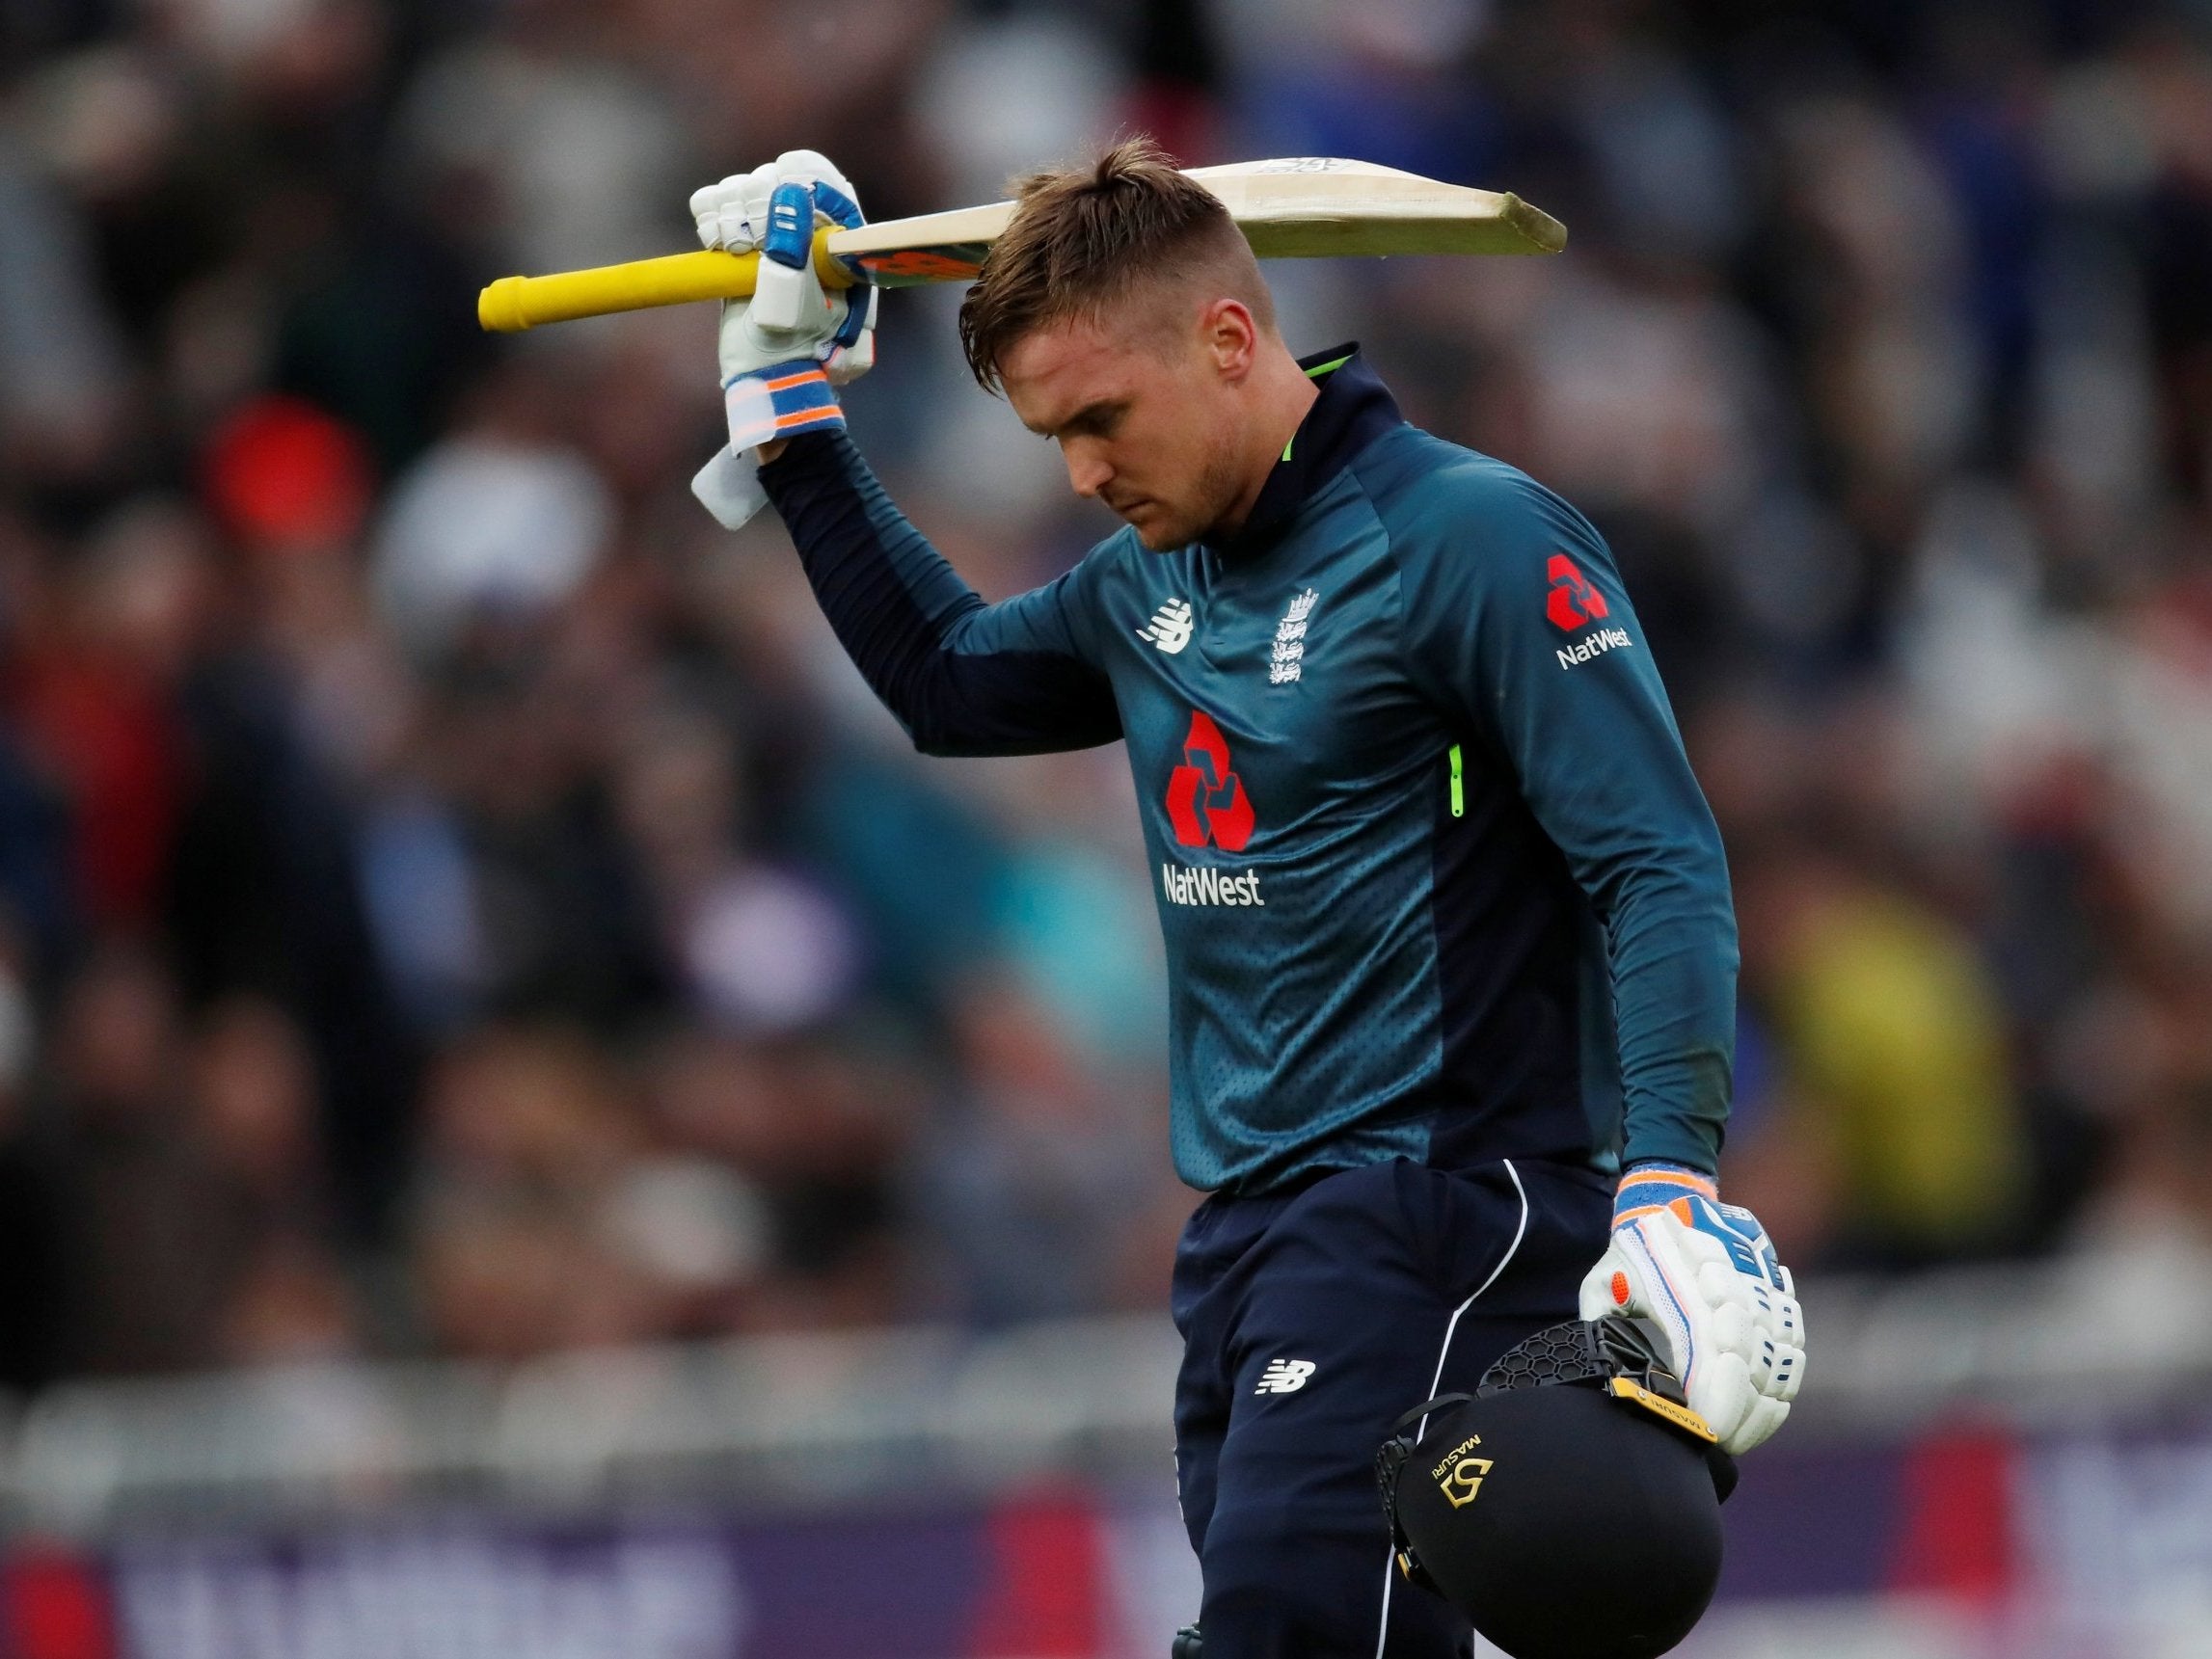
pixel 1230 336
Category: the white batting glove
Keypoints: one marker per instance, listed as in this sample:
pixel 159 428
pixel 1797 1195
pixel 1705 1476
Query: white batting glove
pixel 791 321
pixel 786 350
pixel 1706 1274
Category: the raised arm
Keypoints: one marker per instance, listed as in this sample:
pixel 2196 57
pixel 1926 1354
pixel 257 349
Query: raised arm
pixel 962 676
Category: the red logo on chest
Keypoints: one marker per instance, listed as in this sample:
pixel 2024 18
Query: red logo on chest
pixel 1206 802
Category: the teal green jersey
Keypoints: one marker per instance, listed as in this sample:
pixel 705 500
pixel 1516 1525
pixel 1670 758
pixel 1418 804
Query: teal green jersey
pixel 1435 878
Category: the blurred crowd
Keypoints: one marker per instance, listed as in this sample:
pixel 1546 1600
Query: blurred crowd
pixel 454 899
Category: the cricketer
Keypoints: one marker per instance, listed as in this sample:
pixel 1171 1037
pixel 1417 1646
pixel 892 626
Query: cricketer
pixel 1451 948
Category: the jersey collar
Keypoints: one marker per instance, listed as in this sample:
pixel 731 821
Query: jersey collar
pixel 1354 409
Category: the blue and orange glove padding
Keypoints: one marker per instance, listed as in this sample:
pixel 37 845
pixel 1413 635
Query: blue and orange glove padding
pixel 1706 1273
pixel 839 209
pixel 797 394
pixel 779 401
pixel 786 287
pixel 826 203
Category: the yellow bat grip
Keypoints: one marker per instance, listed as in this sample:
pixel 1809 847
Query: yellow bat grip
pixel 513 304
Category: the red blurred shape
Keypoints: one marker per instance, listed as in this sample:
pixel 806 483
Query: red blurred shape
pixel 1956 1538
pixel 1180 116
pixel 116 745
pixel 281 471
pixel 55 1607
pixel 1045 1597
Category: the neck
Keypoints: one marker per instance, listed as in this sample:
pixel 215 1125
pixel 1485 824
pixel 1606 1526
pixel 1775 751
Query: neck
pixel 1281 393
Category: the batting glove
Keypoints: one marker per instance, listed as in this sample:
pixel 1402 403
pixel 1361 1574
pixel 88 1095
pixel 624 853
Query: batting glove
pixel 786 350
pixel 1705 1273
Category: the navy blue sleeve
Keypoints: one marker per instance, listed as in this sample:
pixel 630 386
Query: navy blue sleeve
pixel 964 678
pixel 1518 624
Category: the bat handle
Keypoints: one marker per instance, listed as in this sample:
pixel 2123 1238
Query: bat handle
pixel 513 304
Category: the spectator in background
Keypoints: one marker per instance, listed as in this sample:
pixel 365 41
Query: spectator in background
pixel 253 1088
pixel 1896 1048
pixel 1033 1171
pixel 528 1139
pixel 156 1241
pixel 35 1306
pixel 95 693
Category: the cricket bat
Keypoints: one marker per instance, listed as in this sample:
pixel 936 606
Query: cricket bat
pixel 1296 207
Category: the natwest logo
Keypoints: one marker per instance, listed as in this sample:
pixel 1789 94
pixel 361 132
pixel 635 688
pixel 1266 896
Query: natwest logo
pixel 1572 601
pixel 1206 802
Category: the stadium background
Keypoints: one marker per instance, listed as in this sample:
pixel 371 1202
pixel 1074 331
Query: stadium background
pixel 530 1126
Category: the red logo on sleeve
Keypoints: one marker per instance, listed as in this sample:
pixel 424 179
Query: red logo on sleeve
pixel 1572 601
pixel 1206 800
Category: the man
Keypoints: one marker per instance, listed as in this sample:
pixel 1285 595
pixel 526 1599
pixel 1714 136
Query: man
pixel 1445 911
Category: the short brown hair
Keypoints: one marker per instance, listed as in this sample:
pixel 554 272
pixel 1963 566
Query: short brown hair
pixel 1083 238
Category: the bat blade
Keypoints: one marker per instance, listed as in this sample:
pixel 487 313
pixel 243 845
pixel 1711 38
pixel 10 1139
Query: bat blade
pixel 1292 207
pixel 1299 207
pixel 1322 206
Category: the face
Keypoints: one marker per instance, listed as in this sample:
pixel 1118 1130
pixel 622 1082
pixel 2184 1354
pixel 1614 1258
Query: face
pixel 1144 410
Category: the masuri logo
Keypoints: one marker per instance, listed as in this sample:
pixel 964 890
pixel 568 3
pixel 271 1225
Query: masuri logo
pixel 1460 1476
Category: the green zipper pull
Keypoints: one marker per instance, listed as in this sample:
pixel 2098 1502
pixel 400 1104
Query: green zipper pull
pixel 1458 786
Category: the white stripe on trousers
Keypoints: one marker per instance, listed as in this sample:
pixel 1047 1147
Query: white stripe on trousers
pixel 1390 1561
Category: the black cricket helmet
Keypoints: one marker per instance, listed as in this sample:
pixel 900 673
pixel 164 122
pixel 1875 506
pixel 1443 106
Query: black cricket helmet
pixel 1570 1508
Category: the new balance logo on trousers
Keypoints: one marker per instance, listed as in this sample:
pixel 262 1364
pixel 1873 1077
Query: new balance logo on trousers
pixel 1284 1376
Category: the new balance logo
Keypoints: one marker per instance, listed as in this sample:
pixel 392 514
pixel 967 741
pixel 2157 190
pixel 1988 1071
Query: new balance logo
pixel 1288 661
pixel 1169 628
pixel 1284 1376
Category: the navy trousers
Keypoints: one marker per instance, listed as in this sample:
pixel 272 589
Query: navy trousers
pixel 1309 1322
